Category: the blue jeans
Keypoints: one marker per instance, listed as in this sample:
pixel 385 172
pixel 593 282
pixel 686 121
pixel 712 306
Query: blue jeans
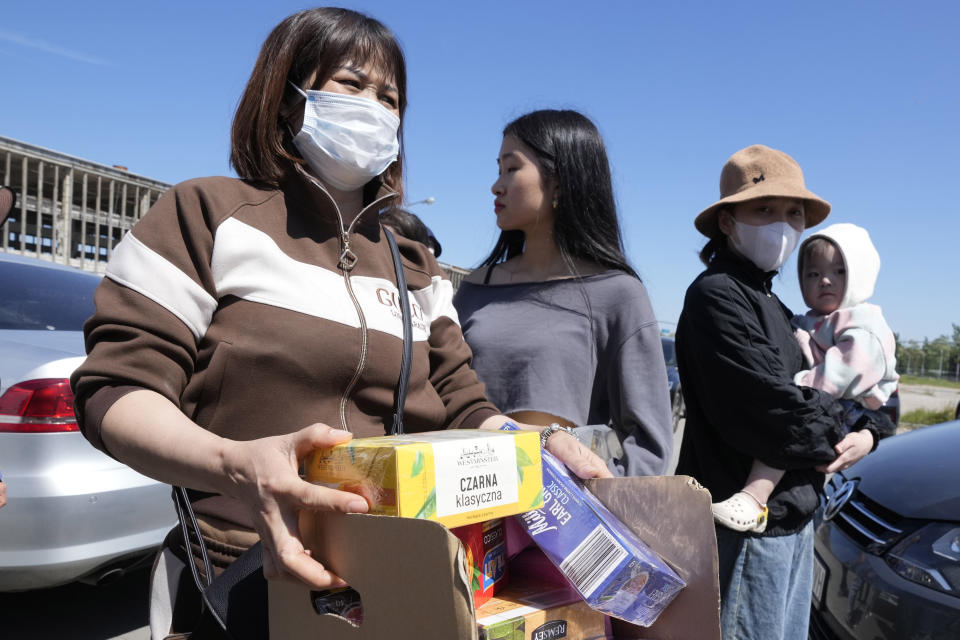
pixel 765 585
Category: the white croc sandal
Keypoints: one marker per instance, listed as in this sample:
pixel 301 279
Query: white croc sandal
pixel 741 512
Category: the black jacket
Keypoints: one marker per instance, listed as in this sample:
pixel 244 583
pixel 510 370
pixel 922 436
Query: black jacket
pixel 736 354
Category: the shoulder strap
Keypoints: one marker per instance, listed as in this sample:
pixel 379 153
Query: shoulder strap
pixel 405 362
pixel 188 524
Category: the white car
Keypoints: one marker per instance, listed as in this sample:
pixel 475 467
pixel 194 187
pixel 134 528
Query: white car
pixel 72 512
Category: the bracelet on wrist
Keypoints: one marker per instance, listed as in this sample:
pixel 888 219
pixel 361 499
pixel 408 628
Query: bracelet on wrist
pixel 550 430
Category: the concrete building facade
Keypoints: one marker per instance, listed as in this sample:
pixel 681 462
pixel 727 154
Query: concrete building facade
pixel 69 210
pixel 73 211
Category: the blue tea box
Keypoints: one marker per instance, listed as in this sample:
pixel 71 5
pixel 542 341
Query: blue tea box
pixel 612 569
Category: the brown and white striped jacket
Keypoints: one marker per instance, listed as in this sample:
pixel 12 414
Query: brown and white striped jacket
pixel 232 301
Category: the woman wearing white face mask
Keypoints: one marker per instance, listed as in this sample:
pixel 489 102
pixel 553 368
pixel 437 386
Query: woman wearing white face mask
pixel 737 357
pixel 238 312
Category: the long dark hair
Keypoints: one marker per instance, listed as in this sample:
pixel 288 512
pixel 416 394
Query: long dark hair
pixel 316 40
pixel 718 239
pixel 409 225
pixel 571 152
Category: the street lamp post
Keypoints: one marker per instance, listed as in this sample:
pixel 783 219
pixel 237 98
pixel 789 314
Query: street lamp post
pixel 429 200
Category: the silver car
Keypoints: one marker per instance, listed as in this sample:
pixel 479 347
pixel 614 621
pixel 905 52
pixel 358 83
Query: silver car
pixel 72 512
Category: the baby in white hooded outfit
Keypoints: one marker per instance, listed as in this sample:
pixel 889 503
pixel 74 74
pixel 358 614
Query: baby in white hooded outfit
pixel 845 340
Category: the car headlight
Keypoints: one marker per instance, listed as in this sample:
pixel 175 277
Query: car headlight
pixel 931 557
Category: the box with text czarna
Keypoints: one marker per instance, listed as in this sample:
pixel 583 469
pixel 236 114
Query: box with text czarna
pixel 455 477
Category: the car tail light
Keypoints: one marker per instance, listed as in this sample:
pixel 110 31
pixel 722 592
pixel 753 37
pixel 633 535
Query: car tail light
pixel 38 406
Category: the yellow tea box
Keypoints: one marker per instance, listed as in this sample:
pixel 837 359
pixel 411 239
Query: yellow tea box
pixel 455 477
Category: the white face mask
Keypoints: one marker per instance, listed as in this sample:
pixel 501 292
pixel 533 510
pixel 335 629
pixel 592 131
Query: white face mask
pixel 346 140
pixel 768 246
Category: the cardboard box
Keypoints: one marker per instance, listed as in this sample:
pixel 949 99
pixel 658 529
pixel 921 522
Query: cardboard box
pixel 611 568
pixel 454 477
pixel 672 515
pixel 527 611
pixel 413 583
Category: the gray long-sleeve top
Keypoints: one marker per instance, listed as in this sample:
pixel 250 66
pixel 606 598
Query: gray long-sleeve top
pixel 587 350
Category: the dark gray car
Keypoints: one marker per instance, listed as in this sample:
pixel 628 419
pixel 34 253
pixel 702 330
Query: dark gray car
pixel 887 554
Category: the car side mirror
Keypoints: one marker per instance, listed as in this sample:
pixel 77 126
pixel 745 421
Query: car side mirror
pixel 7 199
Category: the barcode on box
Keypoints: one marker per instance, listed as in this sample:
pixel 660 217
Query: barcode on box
pixel 593 561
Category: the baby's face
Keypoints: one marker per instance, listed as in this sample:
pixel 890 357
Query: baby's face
pixel 823 279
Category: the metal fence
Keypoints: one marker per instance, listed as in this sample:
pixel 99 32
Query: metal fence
pixel 951 374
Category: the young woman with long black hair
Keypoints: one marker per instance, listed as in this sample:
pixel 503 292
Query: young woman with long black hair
pixel 561 327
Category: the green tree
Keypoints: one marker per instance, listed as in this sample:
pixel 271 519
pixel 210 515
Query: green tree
pixel 939 356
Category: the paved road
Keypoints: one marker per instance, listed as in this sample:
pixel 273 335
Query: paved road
pixel 118 611
pixel 927 397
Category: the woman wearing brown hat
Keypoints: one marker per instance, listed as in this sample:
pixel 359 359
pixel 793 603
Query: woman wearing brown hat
pixel 737 357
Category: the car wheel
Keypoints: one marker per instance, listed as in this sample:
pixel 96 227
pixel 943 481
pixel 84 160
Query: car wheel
pixel 679 409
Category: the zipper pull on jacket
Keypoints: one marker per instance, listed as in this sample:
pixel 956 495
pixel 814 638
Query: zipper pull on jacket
pixel 348 259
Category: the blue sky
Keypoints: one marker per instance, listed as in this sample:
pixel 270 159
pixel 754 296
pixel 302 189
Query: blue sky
pixel 864 95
